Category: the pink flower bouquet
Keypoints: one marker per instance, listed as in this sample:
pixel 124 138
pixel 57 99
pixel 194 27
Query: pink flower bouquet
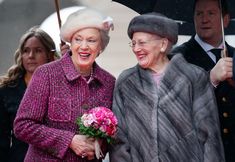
pixel 99 122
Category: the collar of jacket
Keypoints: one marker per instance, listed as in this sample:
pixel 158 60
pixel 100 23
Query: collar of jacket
pixel 72 74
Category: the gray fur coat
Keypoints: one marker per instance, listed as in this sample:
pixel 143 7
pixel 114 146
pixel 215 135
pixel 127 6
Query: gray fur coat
pixel 176 121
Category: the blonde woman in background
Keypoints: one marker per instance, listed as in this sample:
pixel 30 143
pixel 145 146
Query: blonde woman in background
pixel 36 48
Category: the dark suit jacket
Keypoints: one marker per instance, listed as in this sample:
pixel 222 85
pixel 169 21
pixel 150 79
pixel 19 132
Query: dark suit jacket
pixel 225 93
pixel 11 149
pixel 234 67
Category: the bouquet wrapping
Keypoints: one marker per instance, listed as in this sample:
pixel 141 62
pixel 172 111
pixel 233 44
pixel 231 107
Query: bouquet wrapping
pixel 99 123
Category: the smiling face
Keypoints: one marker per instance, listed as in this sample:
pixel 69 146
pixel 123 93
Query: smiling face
pixel 33 55
pixel 207 21
pixel 85 46
pixel 149 49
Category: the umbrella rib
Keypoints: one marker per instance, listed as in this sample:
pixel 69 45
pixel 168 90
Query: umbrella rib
pixel 58 16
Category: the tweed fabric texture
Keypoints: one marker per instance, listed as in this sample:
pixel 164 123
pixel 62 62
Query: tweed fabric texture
pixel 56 96
pixel 176 121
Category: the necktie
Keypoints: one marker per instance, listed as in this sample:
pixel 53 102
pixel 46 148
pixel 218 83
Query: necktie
pixel 217 53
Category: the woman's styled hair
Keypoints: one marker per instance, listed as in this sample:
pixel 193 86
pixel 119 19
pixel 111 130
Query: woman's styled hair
pixel 104 39
pixel 17 70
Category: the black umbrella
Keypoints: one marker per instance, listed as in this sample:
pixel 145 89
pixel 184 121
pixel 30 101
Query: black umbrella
pixel 181 10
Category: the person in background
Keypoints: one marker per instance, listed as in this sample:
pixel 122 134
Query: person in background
pixel 199 51
pixel 63 90
pixel 36 48
pixel 165 106
pixel 64 48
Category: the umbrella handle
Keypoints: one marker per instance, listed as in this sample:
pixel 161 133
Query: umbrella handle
pixel 229 80
pixel 58 17
pixel 224 52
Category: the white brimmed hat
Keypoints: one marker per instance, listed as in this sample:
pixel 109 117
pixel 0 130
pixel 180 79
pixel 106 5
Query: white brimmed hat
pixel 84 18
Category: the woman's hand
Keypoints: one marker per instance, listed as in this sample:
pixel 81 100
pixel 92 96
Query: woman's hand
pixel 83 146
pixel 98 151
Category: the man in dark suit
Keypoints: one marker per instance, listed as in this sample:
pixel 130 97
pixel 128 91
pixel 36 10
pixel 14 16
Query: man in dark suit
pixel 198 51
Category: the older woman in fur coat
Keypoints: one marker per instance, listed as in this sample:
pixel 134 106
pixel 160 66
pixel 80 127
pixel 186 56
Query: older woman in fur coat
pixel 165 106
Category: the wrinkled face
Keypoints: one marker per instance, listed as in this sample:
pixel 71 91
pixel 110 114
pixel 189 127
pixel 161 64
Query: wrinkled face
pixel 207 21
pixel 147 49
pixel 33 55
pixel 85 46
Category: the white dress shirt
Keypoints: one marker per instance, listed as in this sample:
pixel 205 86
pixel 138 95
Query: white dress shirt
pixel 207 47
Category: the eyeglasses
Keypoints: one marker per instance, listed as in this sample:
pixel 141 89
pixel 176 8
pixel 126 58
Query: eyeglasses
pixel 89 42
pixel 141 43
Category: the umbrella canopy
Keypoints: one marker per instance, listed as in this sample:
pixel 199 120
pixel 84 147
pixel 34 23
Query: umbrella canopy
pixel 180 10
pixel 174 9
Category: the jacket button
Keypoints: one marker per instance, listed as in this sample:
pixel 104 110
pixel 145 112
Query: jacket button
pixel 225 114
pixel 224 99
pixel 85 106
pixel 225 130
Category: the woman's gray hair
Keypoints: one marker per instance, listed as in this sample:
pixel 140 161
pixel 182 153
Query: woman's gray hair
pixel 104 39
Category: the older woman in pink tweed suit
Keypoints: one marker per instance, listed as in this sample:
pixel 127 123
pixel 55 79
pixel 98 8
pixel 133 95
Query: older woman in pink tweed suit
pixel 63 90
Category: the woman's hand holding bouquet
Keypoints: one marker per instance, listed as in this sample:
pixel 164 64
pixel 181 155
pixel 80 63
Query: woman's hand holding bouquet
pixel 98 123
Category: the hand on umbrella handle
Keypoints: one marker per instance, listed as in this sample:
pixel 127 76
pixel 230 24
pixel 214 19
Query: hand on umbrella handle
pixel 229 80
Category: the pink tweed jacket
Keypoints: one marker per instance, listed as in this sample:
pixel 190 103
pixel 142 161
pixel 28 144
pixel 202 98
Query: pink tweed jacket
pixel 56 96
